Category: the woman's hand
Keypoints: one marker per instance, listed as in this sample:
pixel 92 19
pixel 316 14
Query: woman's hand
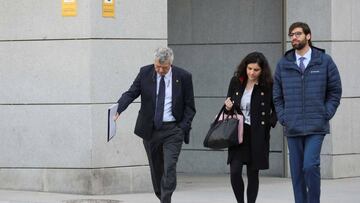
pixel 229 104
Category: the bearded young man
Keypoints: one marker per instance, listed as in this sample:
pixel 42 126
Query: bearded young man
pixel 306 93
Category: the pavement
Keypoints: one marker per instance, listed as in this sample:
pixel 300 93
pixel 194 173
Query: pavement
pixel 201 189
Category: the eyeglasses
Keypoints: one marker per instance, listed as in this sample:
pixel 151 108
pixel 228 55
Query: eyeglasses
pixel 296 34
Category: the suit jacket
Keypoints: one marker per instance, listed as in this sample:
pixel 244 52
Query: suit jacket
pixel 144 85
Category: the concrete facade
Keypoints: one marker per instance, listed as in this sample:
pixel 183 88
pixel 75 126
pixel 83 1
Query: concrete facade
pixel 210 38
pixel 58 75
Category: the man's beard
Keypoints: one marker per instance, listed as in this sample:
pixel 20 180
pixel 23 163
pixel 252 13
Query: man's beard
pixel 300 45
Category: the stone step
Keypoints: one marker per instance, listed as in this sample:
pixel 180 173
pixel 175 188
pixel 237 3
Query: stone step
pixel 91 201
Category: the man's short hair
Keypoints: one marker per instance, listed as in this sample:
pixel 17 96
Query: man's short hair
pixel 164 54
pixel 305 27
pixel 302 25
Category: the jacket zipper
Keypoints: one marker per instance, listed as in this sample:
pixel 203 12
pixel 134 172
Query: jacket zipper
pixel 303 98
pixel 303 93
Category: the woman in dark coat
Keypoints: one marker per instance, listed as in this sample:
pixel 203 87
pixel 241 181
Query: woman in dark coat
pixel 250 94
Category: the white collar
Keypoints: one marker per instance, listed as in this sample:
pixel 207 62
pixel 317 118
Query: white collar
pixel 307 55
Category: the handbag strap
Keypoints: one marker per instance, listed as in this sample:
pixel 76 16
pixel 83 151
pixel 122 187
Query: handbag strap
pixel 222 112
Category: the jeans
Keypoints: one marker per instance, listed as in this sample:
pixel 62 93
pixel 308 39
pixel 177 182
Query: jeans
pixel 305 167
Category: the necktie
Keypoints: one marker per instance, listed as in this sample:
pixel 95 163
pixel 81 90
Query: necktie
pixel 159 111
pixel 301 65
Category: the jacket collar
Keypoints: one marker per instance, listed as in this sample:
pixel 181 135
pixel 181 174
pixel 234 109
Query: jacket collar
pixel 176 84
pixel 315 56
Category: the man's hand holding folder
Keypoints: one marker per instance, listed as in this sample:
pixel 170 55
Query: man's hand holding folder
pixel 113 115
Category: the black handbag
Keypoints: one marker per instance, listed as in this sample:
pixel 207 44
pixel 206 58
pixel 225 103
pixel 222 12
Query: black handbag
pixel 223 132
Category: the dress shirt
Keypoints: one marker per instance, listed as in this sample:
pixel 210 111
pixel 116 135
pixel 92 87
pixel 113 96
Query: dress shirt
pixel 307 59
pixel 168 117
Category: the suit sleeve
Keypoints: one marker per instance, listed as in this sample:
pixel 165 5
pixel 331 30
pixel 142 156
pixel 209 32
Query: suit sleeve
pixel 278 96
pixel 189 107
pixel 273 117
pixel 230 93
pixel 333 90
pixel 130 95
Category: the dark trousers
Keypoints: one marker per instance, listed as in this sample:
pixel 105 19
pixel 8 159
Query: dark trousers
pixel 237 182
pixel 304 154
pixel 163 151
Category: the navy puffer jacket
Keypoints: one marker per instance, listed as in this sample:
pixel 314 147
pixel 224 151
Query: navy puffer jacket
pixel 305 102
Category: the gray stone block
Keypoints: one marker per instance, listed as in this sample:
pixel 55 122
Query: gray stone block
pixel 276 167
pixel 25 179
pixel 47 75
pixel 320 27
pixel 347 65
pixel 91 201
pixel 79 181
pixel 212 66
pixel 144 23
pixel 45 136
pixel 72 181
pixel 346 165
pixel 345 128
pixel 115 180
pixel 48 22
pixel 141 179
pixel 327 166
pixel 341 20
pixel 121 180
pixel 202 161
pixel 277 138
pixel 231 22
pixel 355 24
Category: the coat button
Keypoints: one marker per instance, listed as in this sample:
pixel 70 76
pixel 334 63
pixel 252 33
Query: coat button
pixel 237 93
pixel 262 93
pixel 262 123
pixel 262 103
pixel 263 113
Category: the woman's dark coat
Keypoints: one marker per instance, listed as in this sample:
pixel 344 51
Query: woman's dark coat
pixel 262 116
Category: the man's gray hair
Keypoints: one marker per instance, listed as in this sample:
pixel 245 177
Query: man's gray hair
pixel 164 54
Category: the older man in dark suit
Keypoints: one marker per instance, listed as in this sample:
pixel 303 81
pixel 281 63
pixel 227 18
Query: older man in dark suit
pixel 165 116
